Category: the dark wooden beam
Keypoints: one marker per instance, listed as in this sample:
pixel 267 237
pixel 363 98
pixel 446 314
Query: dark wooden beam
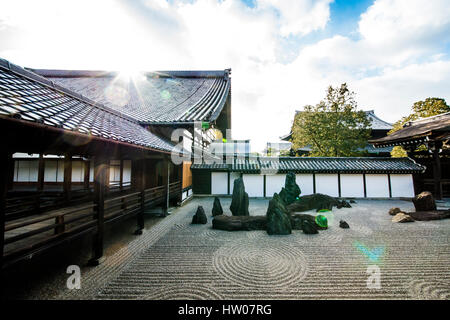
pixel 121 175
pixel 437 171
pixel 365 187
pixel 41 171
pixel 339 185
pixel 141 181
pixel 390 186
pixel 67 184
pixel 100 170
pixel 5 159
pixel 87 172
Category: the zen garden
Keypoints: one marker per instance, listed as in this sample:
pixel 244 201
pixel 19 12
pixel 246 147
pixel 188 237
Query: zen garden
pixel 122 182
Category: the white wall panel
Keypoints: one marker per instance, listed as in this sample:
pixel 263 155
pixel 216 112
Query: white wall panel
pixel 377 186
pixel 352 185
pixel 60 172
pixel 254 184
pixel 77 171
pixel 219 182
pixel 274 183
pixel 305 182
pixel 402 185
pixel 327 184
pixel 126 171
pixel 51 167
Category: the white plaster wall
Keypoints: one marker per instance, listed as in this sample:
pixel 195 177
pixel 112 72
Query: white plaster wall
pixel 219 183
pixel 377 186
pixel 305 182
pixel 352 185
pixel 402 185
pixel 77 171
pixel 254 185
pixel 51 168
pixel 327 184
pixel 25 171
pixel 274 183
pixel 126 172
pixel 91 171
pixel 60 173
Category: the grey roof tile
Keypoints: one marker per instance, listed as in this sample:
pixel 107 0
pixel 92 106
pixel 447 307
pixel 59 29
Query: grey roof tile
pixel 30 97
pixel 315 164
pixel 163 97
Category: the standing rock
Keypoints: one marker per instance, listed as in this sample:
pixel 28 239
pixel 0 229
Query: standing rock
pixel 278 219
pixel 402 217
pixel 424 202
pixel 217 207
pixel 239 201
pixel 200 216
pixel 343 224
pixel 291 190
pixel 309 228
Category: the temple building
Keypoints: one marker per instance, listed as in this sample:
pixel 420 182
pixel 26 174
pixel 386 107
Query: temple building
pixel 378 129
pixel 82 149
pixel 427 142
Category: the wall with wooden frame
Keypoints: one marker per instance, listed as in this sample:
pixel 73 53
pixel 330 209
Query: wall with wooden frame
pixel 350 185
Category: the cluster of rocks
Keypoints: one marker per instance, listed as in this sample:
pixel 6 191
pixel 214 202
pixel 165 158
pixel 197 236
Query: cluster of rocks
pixel 280 217
pixel 426 209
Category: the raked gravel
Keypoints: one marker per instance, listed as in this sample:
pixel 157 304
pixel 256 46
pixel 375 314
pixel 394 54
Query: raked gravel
pixel 177 260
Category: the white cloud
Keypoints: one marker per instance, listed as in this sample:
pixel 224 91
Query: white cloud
pixel 397 59
pixel 299 17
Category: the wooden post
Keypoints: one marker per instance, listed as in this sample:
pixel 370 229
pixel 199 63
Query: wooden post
pixel 141 185
pixel 100 172
pixel 168 187
pixel 40 183
pixel 121 175
pixel 5 160
pixel 437 171
pixel 180 178
pixel 87 173
pixel 339 185
pixel 67 184
pixel 365 186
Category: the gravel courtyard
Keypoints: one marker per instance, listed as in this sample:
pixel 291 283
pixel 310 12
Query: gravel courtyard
pixel 177 260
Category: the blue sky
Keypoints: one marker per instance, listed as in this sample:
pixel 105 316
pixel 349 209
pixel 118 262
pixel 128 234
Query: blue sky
pixel 283 53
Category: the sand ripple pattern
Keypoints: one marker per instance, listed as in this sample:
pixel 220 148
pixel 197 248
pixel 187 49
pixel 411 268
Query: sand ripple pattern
pixel 184 292
pixel 429 290
pixel 264 264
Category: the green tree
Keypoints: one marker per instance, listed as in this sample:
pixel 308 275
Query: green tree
pixel 332 128
pixel 420 109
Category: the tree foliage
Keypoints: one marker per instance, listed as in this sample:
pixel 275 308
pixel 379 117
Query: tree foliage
pixel 332 128
pixel 420 109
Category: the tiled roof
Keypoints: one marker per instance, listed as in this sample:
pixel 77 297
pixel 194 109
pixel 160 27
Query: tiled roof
pixel 311 164
pixel 27 96
pixel 162 97
pixel 417 131
pixel 376 124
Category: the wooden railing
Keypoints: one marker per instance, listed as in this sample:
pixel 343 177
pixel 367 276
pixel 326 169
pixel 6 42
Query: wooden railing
pixel 25 235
